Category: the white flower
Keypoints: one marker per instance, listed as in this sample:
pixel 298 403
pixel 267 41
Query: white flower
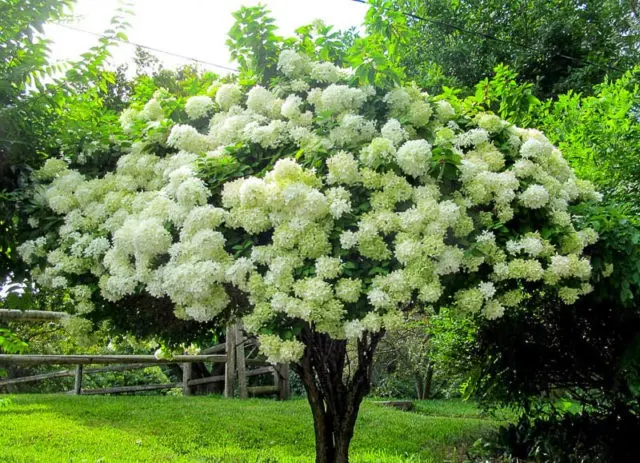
pixel 354 329
pixel 293 64
pixel 487 289
pixel 339 202
pixel 278 350
pixel 197 107
pixel 228 95
pixel 328 267
pixel 348 289
pixel 348 239
pixel 339 98
pixel 327 72
pixel 379 152
pixel 152 110
pixel 532 149
pixel 291 107
pixel 493 310
pixel 449 260
pixel 490 122
pixel 187 138
pixel 379 299
pixel 262 101
pixel 444 111
pixel 97 247
pixel 353 130
pixel 473 137
pixel 392 130
pixel 51 168
pixel 398 100
pixel 343 168
pixel 534 197
pixel 413 157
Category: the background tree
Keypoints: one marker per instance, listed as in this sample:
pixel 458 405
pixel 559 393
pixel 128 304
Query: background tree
pixel 402 365
pixel 556 46
pixel 23 54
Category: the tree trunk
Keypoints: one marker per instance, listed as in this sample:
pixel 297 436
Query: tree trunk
pixel 428 382
pixel 334 397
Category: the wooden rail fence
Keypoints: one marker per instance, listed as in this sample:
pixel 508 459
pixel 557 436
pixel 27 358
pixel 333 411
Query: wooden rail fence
pixel 232 353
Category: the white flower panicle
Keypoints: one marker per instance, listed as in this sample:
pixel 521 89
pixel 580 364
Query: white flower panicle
pixel 198 107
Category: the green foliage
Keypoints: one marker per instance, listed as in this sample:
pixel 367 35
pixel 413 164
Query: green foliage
pixel 598 134
pixel 321 43
pixel 48 110
pixel 254 44
pixel 376 57
pixel 507 98
pixel 402 366
pixel 555 46
pixel 587 353
pixel 451 337
pixel 218 430
pixel 24 52
pixel 10 343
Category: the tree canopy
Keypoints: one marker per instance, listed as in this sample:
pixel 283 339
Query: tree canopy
pixel 320 210
pixel 555 45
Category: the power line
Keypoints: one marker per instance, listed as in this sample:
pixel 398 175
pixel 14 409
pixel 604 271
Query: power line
pixel 146 47
pixel 485 35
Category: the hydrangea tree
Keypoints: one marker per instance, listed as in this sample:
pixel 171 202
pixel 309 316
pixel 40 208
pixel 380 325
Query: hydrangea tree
pixel 320 211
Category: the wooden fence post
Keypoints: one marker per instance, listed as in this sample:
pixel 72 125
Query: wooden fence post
pixel 240 362
pixel 230 365
pixel 186 377
pixel 284 388
pixel 77 386
pixel 276 376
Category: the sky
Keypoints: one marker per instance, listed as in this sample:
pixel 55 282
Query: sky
pixel 193 28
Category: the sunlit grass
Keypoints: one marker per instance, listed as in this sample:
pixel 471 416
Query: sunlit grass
pixel 56 428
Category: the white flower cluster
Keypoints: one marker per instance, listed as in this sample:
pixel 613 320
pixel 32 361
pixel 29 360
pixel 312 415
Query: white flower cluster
pixel 198 107
pixel 373 227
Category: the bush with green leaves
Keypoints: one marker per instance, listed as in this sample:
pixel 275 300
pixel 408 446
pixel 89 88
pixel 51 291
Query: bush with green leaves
pixel 548 354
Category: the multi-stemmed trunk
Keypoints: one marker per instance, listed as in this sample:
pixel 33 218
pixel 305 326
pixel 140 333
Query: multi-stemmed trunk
pixel 335 388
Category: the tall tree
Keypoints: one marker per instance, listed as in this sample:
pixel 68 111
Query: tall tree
pixel 555 45
pixel 320 211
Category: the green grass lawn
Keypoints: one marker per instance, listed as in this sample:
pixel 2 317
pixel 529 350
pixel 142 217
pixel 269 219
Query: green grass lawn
pixel 56 428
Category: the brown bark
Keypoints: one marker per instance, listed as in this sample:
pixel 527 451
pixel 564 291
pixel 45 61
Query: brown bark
pixel 428 382
pixel 334 397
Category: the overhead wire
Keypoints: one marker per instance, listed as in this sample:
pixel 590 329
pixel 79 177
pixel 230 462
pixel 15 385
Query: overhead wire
pixel 146 47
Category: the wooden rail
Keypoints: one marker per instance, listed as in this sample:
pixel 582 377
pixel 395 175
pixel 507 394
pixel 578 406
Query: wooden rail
pixel 68 373
pixel 231 353
pixel 31 315
pixel 25 359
